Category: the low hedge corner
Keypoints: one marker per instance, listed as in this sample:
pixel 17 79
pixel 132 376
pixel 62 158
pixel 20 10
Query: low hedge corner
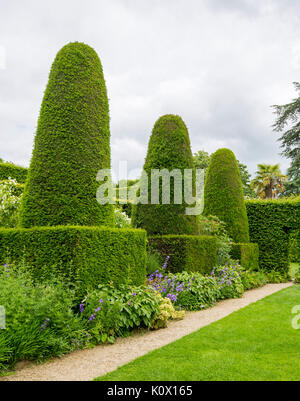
pixel 87 256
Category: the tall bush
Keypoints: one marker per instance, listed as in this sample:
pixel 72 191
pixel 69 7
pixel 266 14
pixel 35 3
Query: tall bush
pixel 169 148
pixel 223 194
pixel 71 145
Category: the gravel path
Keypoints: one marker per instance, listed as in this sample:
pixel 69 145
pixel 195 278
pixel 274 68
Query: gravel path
pixel 91 363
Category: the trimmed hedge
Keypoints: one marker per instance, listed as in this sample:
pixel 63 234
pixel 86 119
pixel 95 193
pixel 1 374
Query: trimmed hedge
pixel 191 253
pixel 169 148
pixel 224 196
pixel 18 173
pixel 71 145
pixel 270 223
pixel 247 254
pixel 294 248
pixel 86 255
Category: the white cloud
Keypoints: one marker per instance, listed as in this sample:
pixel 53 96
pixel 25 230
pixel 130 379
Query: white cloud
pixel 219 64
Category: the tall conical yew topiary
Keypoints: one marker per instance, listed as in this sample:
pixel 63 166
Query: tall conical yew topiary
pixel 223 194
pixel 169 148
pixel 72 144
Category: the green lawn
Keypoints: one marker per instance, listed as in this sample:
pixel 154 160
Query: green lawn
pixel 254 343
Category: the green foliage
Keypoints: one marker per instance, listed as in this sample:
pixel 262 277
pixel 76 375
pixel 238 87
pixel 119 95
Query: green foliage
pixel 270 224
pixel 190 253
pixel 153 261
pixel 247 254
pixel 245 177
pixel 201 159
pixel 71 145
pixel 269 181
pixel 253 279
pixel 223 194
pixel 87 256
pixel 203 291
pixel 166 312
pixel 10 198
pixel 10 170
pixel 297 279
pixel 40 322
pixel 169 148
pixel 228 278
pixel 276 277
pixel 121 219
pixel 294 247
pixel 212 225
pixel 111 312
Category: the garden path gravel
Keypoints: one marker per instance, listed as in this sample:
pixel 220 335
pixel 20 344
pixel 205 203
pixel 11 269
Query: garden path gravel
pixel 90 363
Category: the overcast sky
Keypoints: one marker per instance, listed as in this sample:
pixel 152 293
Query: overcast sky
pixel 219 64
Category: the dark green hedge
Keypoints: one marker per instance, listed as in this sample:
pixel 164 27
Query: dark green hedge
pixel 224 196
pixel 191 253
pixel 270 223
pixel 294 249
pixel 87 255
pixel 11 170
pixel 169 148
pixel 71 145
pixel 247 254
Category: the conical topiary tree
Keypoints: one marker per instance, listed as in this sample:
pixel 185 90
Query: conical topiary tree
pixel 72 143
pixel 223 194
pixel 169 148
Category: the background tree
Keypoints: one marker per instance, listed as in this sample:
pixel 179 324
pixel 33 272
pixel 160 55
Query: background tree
pixel 201 159
pixel 288 122
pixel 268 182
pixel 245 176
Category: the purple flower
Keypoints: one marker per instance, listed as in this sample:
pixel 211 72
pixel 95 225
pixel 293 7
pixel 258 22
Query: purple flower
pixel 81 308
pixel 134 294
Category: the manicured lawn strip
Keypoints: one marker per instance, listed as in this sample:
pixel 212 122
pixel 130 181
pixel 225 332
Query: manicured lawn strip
pixel 254 343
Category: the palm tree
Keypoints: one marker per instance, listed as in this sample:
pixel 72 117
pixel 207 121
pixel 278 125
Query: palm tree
pixel 268 182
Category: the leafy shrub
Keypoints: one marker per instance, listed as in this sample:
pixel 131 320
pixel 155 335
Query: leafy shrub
pixel 212 225
pixel 228 278
pixel 112 312
pixel 203 292
pixel 71 145
pixel 153 261
pixel 121 219
pixel 275 276
pixel 270 223
pixel 10 198
pixel 166 312
pixel 253 279
pixel 297 279
pixel 40 322
pixel 169 148
pixel 223 195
